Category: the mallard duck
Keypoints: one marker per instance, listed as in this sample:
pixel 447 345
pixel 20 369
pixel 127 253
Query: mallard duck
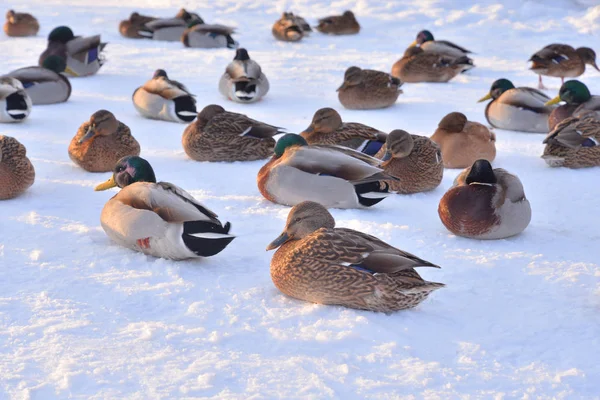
pixel 345 24
pixel 82 54
pixel 426 42
pixel 134 27
pixel 419 66
pixel 20 24
pixel 165 99
pixel 243 80
pixel 463 142
pixel 319 263
pixel 366 89
pixel 16 171
pixel 45 84
pixel 485 203
pixel 335 176
pixel 208 36
pixel 562 61
pixel 101 142
pixel 159 219
pixel 290 28
pixel 575 142
pixel 415 160
pixel 327 128
pixel 219 135
pixel 578 100
pixel 168 29
pixel 15 104
pixel 517 109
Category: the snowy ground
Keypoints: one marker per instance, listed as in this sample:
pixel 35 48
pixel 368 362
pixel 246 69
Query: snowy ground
pixel 83 318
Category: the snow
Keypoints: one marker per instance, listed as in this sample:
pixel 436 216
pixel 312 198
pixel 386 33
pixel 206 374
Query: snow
pixel 83 318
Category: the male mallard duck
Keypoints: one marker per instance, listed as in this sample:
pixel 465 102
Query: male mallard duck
pixel 327 128
pixel 415 160
pixel 578 100
pixel 243 80
pixel 418 66
pixel 101 142
pixel 485 203
pixel 426 42
pixel 563 61
pixel 134 27
pixel 45 84
pixel 463 142
pixel 83 54
pixel 15 104
pixel 20 24
pixel 574 143
pixel 366 89
pixel 16 171
pixel 168 29
pixel 159 219
pixel 219 135
pixel 334 176
pixel 208 36
pixel 290 28
pixel 517 109
pixel 345 24
pixel 165 99
pixel 320 263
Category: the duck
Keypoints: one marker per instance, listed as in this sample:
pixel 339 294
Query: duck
pixel 219 135
pixel 133 27
pixel 169 29
pixel 578 100
pixel 562 61
pixel 164 99
pixel 208 36
pixel 45 84
pixel 83 55
pixel 20 24
pixel 319 263
pixel 334 176
pixel 367 89
pixel 517 108
pixel 415 160
pixel 345 24
pixel 418 66
pixel 574 142
pixel 327 127
pixel 159 218
pixel 16 171
pixel 243 80
pixel 463 142
pixel 426 42
pixel 15 103
pixel 290 28
pixel 101 142
pixel 485 203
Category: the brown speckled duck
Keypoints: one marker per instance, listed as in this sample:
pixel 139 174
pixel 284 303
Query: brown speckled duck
pixel 345 24
pixel 101 142
pixel 366 89
pixel 20 24
pixel 574 143
pixel 562 61
pixel 16 171
pixel 290 28
pixel 417 65
pixel 319 263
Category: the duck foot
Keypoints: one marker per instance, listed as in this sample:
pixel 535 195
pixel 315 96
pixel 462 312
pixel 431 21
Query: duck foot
pixel 540 84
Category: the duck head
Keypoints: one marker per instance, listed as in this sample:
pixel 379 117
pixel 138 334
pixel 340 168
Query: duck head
pixel 588 56
pixel 287 141
pixel 101 123
pixel 61 34
pixel 399 144
pixel 481 173
pixel 571 92
pixel 352 77
pixel 128 170
pixel 422 37
pixel 498 87
pixel 325 120
pixel 55 63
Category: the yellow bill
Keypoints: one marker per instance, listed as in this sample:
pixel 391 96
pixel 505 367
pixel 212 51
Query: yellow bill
pixel 555 100
pixel 413 44
pixel 69 71
pixel 484 98
pixel 106 185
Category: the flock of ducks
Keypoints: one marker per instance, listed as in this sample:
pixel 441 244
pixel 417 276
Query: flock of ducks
pixel 331 164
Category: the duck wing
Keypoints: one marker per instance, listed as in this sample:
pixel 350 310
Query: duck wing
pixel 241 125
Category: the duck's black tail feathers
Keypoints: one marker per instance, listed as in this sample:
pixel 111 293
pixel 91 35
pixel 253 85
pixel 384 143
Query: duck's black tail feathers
pixel 185 108
pixel 16 106
pixel 371 193
pixel 206 238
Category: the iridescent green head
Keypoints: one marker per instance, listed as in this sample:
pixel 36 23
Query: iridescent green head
pixel 574 92
pixel 194 22
pixel 61 34
pixel 55 63
pixel 424 36
pixel 287 141
pixel 128 170
pixel 498 87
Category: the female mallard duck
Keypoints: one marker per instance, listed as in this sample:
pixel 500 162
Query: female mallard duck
pixel 334 176
pixel 485 203
pixel 165 99
pixel 578 101
pixel 327 128
pixel 45 84
pixel 463 142
pixel 134 27
pixel 208 36
pixel 345 24
pixel 168 29
pixel 20 24
pixel 290 28
pixel 101 142
pixel 418 66
pixel 562 61
pixel 574 143
pixel 82 54
pixel 517 109
pixel 426 42
pixel 415 160
pixel 243 80
pixel 159 219
pixel 319 263
pixel 16 171
pixel 219 135
pixel 366 89
pixel 15 104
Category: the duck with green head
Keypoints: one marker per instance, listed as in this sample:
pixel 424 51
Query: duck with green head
pixel 426 42
pixel 578 100
pixel 208 36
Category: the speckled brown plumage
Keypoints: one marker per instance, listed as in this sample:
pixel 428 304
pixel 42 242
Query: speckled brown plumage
pixel 345 24
pixel 130 27
pixel 419 66
pixel 16 171
pixel 20 24
pixel 290 28
pixel 562 60
pixel 365 89
pixel 574 143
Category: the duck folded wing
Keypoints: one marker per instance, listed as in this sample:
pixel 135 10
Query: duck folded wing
pixel 172 195
pixel 81 45
pixel 167 89
pixel 350 130
pixel 245 70
pixel 526 98
pixel 511 184
pixel 573 132
pixel 453 45
pixel 214 28
pixel 375 162
pixel 553 53
pixel 33 74
pixel 240 125
pixel 163 23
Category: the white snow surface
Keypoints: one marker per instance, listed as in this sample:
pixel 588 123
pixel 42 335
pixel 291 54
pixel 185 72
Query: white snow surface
pixel 83 318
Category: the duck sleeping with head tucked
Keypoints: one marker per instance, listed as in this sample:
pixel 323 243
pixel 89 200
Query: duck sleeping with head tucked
pixel 426 42
pixel 243 80
pixel 16 171
pixel 20 24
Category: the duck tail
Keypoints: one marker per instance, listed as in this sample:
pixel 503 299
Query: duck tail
pixel 371 193
pixel 464 62
pixel 185 108
pixel 206 238
pixel 16 105
pixel 245 90
pixel 232 44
